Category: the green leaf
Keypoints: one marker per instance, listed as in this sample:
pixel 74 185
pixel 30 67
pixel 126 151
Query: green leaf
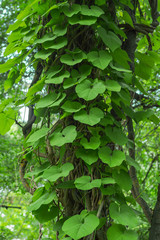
pixel 89 90
pixel 85 183
pixel 7 120
pixel 142 115
pixel 57 5
pixel 99 59
pixel 35 88
pixel 100 2
pixel 47 100
pixel 10 63
pixel 108 180
pixel 43 54
pixel 116 135
pixel 53 71
pixel 45 213
pixel 82 20
pixel 113 159
pixel 38 134
pixel 127 3
pixel 94 116
pixel 70 10
pixel 44 199
pixel 4 104
pixel 127 18
pixel 133 163
pixel 112 85
pixel 73 59
pixel 60 30
pixel 109 190
pixel 85 71
pixel 88 156
pixel 59 138
pixel 93 143
pixel 119 68
pixel 59 100
pixel 69 82
pixel 47 37
pixel 37 193
pixel 123 179
pixel 91 11
pixel 28 11
pixel 58 78
pixel 109 38
pixel 55 172
pixel 121 57
pixel 71 107
pixel 56 44
pixel 123 214
pixel 66 185
pixel 79 226
pixel 37 171
pixel 154 118
pixel 119 232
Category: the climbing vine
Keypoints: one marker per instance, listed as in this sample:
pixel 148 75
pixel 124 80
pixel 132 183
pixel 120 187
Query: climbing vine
pixel 79 145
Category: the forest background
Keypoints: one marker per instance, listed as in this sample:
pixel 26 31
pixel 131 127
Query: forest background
pixel 103 101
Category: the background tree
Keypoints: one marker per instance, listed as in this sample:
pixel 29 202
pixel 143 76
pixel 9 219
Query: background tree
pixel 90 92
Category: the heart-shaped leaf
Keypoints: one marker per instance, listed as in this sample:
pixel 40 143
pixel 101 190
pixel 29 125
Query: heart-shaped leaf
pixel 73 58
pixel 119 68
pixel 38 134
pixel 88 90
pixel 60 30
pixel 116 135
pixel 108 180
pixel 79 226
pixel 58 78
pixel 43 54
pixel 59 100
pixel 123 179
pixel 119 232
pixel 47 37
pixel 7 120
pixel 53 71
pixel 85 183
pixel 45 213
pixel 94 116
pixel 93 143
pixel 112 85
pixel 109 38
pixel 123 214
pixel 55 172
pixel 113 159
pixel 69 106
pixel 59 138
pixel 56 44
pixel 85 71
pixel 91 11
pixel 47 100
pixel 70 10
pixel 88 156
pixel 44 199
pixel 82 20
pixel 69 82
pixel 99 59
pixel 142 115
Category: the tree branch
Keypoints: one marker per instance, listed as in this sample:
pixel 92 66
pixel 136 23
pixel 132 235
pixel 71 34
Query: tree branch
pixel 6 206
pixel 132 172
pixel 150 167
